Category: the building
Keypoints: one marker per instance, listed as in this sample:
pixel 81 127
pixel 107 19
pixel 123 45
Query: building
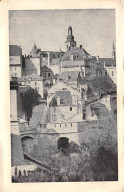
pixel 77 58
pixel 32 62
pixel 38 58
pixel 15 61
pixel 64 111
pixel 34 81
pixel 109 67
pixel 18 163
pixel 47 75
pixel 72 78
pixel 64 102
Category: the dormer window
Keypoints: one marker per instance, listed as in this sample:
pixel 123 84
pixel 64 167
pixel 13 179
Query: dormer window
pixel 62 101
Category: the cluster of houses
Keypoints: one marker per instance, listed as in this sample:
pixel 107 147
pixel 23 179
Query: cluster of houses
pixel 62 75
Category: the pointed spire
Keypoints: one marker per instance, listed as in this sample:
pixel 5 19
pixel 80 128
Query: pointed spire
pixel 33 52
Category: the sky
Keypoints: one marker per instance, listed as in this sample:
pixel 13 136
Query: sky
pixel 93 29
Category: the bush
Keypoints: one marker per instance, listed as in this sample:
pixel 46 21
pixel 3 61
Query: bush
pixel 102 84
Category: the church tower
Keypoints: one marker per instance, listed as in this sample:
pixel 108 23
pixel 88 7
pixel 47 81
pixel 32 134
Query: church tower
pixel 70 42
pixel 113 52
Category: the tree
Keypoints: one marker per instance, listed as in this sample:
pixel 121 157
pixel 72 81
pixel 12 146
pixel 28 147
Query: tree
pixel 102 84
pixel 29 100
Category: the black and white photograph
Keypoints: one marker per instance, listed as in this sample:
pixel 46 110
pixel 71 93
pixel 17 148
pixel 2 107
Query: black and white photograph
pixel 63 95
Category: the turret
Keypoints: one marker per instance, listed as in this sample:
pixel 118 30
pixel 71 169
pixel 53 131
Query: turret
pixel 70 42
pixel 70 30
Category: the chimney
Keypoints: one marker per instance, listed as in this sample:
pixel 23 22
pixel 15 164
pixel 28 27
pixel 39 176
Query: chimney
pixel 80 46
pixel 97 57
pixel 71 57
pixel 104 64
pixel 58 101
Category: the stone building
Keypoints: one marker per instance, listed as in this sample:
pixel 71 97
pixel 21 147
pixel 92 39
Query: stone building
pixel 34 81
pixel 47 75
pixel 38 58
pixel 77 58
pixel 15 61
pixel 109 68
pixel 72 78
pixel 64 102
pixel 18 163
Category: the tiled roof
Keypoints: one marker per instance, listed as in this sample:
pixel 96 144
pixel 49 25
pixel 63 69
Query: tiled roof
pixel 45 69
pixel 56 76
pixel 15 50
pixel 34 51
pixel 107 61
pixel 77 52
pixel 65 97
pixel 33 77
pixel 70 75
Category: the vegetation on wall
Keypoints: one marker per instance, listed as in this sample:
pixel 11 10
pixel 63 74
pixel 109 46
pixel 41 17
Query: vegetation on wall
pixel 29 100
pixel 96 159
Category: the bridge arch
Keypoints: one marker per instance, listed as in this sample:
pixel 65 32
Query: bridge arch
pixel 62 142
pixel 27 136
pixel 27 143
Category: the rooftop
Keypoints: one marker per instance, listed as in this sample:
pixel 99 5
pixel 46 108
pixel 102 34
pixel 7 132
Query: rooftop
pixel 65 98
pixel 45 69
pixel 33 77
pixel 107 61
pixel 77 52
pixel 15 50
pixel 34 51
pixel 70 75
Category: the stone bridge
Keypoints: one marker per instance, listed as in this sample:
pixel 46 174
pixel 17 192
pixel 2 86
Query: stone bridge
pixel 28 133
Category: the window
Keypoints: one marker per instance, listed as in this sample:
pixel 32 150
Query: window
pixel 15 68
pixel 70 108
pixel 105 73
pixel 54 117
pixel 49 74
pixel 62 101
pixel 35 83
pixel 44 74
pixel 84 114
pixel 112 73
